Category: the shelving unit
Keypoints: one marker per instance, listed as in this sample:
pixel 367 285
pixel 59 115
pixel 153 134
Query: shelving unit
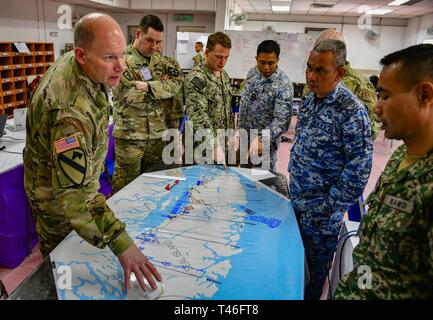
pixel 15 67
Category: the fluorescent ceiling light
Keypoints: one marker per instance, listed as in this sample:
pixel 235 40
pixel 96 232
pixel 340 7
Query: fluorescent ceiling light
pixel 379 11
pixel 397 2
pixel 281 8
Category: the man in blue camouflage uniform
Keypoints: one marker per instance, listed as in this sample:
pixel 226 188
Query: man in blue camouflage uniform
pixel 267 100
pixel 330 159
pixel 396 240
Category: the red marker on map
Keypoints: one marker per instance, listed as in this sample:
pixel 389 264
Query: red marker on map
pixel 171 185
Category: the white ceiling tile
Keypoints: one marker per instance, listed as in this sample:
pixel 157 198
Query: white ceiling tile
pixel 208 5
pixel 162 4
pixel 344 6
pixel 301 6
pixel 184 5
pixel 141 4
pixel 319 9
pixel 298 11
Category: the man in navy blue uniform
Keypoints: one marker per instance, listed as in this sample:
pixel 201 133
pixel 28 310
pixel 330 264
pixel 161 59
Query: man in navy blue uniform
pixel 330 159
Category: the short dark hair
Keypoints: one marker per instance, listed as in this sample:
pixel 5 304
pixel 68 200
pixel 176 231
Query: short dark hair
pixel 268 46
pixel 374 80
pixel 199 43
pixel 218 38
pixel 151 21
pixel 416 63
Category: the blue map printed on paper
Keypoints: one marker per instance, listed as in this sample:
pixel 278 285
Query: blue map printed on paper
pixel 215 235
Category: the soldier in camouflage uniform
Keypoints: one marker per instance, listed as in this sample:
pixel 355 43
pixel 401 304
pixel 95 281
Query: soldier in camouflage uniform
pixel 267 100
pixel 140 118
pixel 199 57
pixel 330 160
pixel 66 145
pixel 355 82
pixel 208 93
pixel 396 240
pixel 173 108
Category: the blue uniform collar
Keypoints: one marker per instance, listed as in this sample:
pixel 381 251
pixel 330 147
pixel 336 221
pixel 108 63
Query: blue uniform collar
pixel 332 95
pixel 272 78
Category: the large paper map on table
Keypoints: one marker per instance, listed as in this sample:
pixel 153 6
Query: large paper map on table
pixel 214 235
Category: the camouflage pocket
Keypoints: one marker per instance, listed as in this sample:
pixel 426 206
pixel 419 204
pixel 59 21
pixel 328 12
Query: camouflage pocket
pixel 156 123
pixel 394 243
pixel 394 220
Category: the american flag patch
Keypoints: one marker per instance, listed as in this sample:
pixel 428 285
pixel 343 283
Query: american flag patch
pixel 66 144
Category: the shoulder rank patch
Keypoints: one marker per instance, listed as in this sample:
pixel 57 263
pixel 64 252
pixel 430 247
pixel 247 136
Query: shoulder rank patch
pixel 74 165
pixel 128 75
pixel 67 143
pixel 198 84
pixel 173 72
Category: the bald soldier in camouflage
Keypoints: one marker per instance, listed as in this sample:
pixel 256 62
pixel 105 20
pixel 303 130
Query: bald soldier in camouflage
pixel 355 82
pixel 208 92
pixel 396 241
pixel 66 145
pixel 140 119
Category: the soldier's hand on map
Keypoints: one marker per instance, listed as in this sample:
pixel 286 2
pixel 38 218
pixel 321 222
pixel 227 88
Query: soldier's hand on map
pixel 142 86
pixel 233 141
pixel 165 77
pixel 219 156
pixel 256 148
pixel 133 260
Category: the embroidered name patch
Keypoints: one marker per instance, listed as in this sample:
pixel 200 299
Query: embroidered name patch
pixel 66 144
pixel 399 204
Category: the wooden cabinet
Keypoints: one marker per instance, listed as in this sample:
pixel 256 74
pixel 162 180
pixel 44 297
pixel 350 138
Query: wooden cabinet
pixel 15 67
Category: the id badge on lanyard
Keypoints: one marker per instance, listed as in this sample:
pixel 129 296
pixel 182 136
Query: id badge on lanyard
pixel 145 72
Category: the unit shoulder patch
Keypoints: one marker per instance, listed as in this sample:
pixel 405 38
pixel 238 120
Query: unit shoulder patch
pixel 74 165
pixel 173 72
pixel 128 75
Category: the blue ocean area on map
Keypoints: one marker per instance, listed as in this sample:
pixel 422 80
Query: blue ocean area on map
pixel 229 237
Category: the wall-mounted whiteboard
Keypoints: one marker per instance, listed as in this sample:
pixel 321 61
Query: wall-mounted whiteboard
pixel 185 42
pixel 295 49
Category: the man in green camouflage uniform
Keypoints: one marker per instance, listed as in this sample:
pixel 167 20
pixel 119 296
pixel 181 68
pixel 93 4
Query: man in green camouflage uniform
pixel 208 93
pixel 395 253
pixel 355 82
pixel 173 107
pixel 199 57
pixel 66 146
pixel 140 119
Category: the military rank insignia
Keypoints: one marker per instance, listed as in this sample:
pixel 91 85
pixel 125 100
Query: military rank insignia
pixel 173 72
pixel 71 159
pixel 128 75
pixel 198 84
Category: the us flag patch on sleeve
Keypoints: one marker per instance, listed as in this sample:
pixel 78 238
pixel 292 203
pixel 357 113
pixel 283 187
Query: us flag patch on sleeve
pixel 66 144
